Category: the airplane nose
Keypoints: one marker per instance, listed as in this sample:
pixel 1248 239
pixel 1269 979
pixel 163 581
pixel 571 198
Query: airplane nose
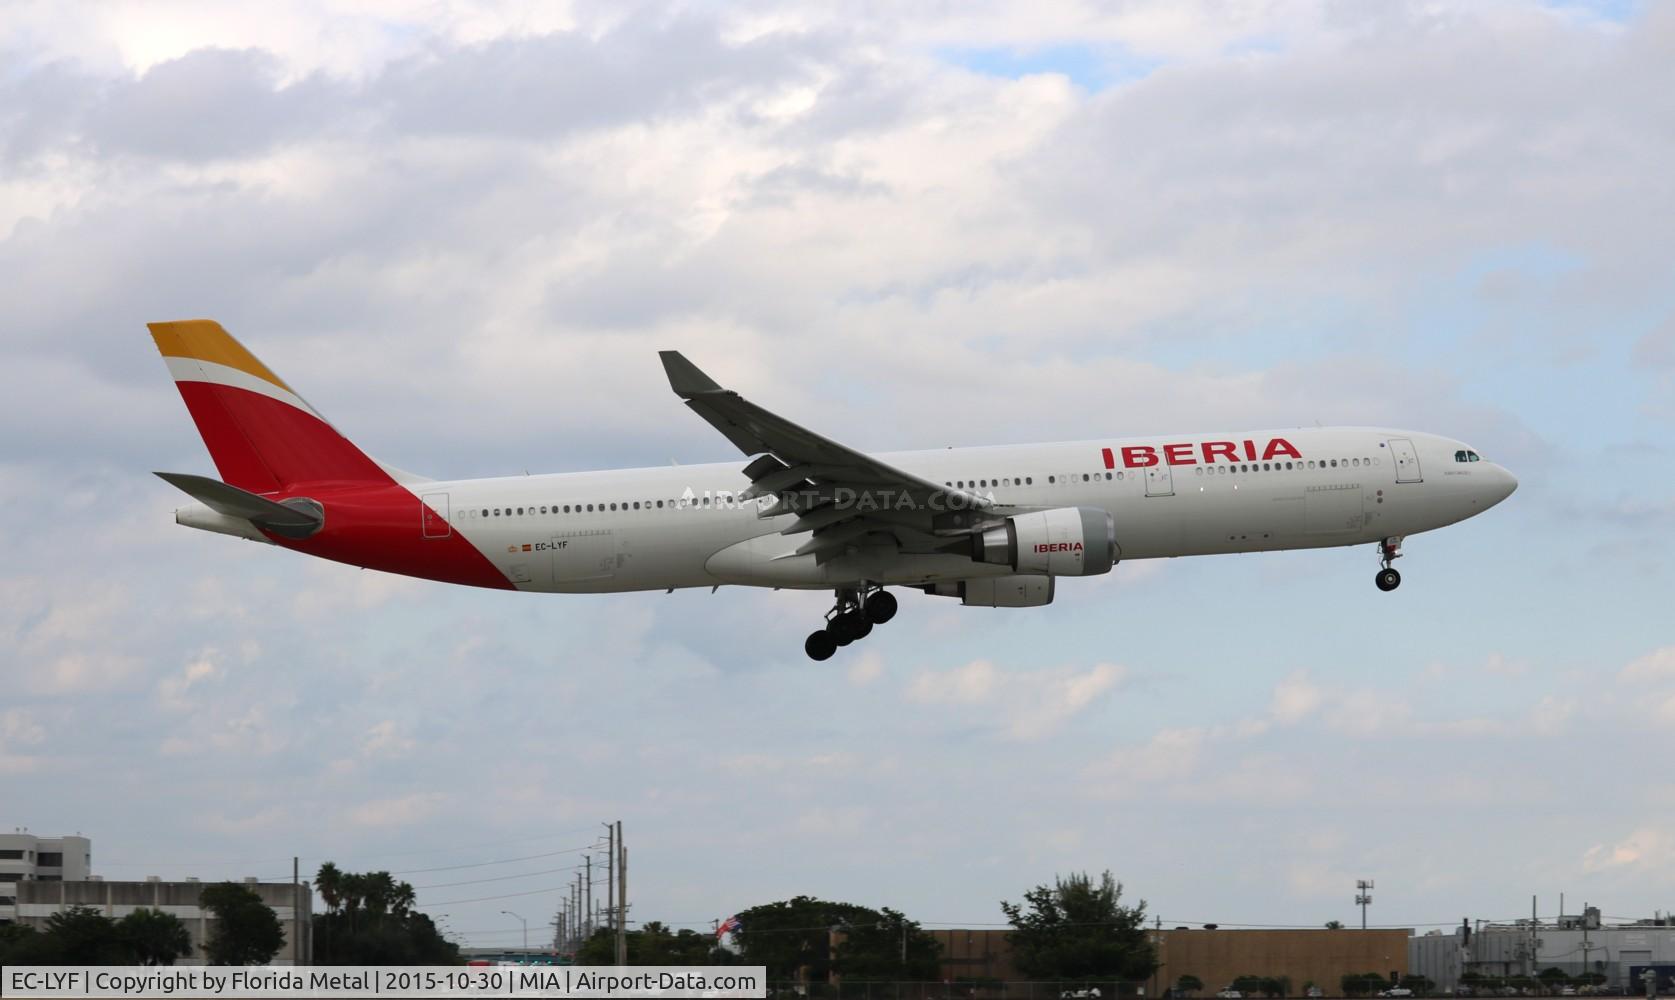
pixel 1505 484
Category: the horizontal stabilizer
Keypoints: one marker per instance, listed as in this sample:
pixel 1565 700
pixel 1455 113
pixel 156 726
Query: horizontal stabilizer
pixel 298 521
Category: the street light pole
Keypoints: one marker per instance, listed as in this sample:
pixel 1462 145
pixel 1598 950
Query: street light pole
pixel 525 924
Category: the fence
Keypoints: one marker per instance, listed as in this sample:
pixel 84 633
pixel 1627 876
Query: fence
pixel 979 990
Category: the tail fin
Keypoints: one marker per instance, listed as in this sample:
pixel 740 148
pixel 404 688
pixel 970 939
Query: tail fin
pixel 262 435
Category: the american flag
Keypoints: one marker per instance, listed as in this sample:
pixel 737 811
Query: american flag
pixel 726 927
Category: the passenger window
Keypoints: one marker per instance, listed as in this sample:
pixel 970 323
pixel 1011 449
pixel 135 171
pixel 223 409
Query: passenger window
pixel 1266 467
pixel 1051 480
pixel 1006 482
pixel 1084 477
pixel 1119 473
pixel 1107 477
pixel 659 505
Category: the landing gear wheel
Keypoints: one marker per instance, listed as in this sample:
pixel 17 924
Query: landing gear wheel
pixel 881 607
pixel 819 645
pixel 1388 580
pixel 847 627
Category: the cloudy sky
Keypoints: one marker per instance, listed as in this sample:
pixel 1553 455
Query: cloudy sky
pixel 463 231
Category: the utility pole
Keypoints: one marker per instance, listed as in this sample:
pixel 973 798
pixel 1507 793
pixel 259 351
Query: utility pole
pixel 587 904
pixel 610 881
pixel 621 897
pixel 1363 898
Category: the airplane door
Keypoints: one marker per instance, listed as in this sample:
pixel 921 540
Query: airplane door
pixel 1160 480
pixel 433 516
pixel 584 555
pixel 1407 461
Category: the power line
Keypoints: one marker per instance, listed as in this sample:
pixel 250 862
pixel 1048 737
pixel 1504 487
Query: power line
pixel 509 895
pixel 351 857
pixel 497 878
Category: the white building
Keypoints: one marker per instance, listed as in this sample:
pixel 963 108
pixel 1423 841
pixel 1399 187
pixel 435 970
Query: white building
pixel 292 903
pixel 1577 946
pixel 25 857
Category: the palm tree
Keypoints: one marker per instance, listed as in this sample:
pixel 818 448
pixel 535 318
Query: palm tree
pixel 329 880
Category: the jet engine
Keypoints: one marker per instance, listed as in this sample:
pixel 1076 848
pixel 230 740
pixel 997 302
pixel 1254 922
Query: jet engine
pixel 997 591
pixel 1064 541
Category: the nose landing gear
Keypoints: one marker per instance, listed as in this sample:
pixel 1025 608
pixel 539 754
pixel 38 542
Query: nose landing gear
pixel 1389 550
pixel 851 618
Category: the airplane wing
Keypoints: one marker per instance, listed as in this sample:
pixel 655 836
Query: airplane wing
pixel 838 494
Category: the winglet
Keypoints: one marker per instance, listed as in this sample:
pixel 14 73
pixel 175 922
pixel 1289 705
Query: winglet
pixel 685 377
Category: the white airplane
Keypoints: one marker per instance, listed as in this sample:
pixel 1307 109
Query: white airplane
pixel 990 527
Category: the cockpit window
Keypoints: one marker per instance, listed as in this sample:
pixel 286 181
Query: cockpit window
pixel 1467 455
pixel 1460 456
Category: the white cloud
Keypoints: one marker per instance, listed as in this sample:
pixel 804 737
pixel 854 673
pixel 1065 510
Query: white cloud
pixel 399 811
pixel 1657 665
pixel 867 669
pixel 1031 704
pixel 1644 849
pixel 972 683
pixel 172 690
pixel 385 739
pixel 1296 698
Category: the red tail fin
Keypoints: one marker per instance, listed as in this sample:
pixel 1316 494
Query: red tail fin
pixel 263 437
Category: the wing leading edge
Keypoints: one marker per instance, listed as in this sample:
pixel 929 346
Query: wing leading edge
pixel 840 495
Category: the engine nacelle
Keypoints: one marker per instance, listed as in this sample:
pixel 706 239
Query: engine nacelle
pixel 1064 541
pixel 998 591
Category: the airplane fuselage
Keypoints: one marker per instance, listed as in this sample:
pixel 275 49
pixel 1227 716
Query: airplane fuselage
pixel 683 526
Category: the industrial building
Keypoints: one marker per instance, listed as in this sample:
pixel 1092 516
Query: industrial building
pixel 1216 957
pixel 37 900
pixel 25 857
pixel 1575 945
pixel 1300 956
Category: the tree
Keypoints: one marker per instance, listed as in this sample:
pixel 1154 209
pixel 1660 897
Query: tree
pixel 1334 925
pixel 329 880
pixel 1360 984
pixel 652 944
pixel 795 936
pixel 370 920
pixel 1076 929
pixel 20 944
pixel 81 935
pixel 890 948
pixel 246 930
pixel 1188 984
pixel 153 937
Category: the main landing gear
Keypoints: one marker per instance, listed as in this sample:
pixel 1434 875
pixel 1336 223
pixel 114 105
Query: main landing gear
pixel 852 618
pixel 1389 550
